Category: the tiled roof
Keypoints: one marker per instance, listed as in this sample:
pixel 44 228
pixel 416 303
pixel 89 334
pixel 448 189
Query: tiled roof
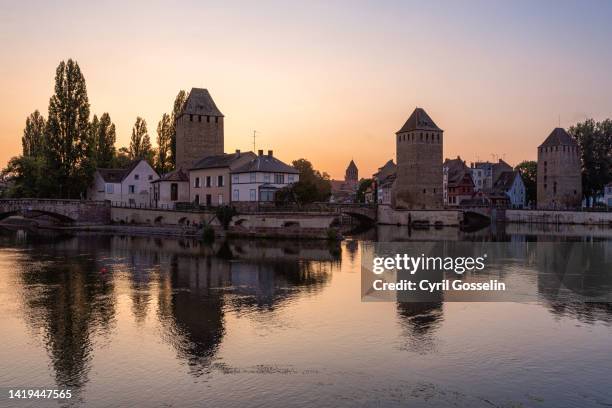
pixel 265 163
pixel 219 160
pixel 456 171
pixel 505 181
pixel 117 175
pixel 175 175
pixel 419 120
pixel 559 137
pixel 200 102
pixel 352 166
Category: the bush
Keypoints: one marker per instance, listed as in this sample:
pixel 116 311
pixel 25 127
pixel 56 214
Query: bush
pixel 225 214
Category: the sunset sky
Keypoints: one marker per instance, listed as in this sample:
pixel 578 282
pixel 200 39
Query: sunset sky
pixel 328 81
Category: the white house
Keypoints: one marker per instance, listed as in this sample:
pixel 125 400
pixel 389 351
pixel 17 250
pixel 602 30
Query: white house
pixel 260 178
pixel 171 188
pixel 129 186
pixel 511 184
pixel 479 177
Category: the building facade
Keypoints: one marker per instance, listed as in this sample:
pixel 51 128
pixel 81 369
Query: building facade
pixel 559 178
pixel 258 179
pixel 511 184
pixel 199 129
pixel 170 189
pixel 419 163
pixel 130 186
pixel 488 173
pixel 608 195
pixel 209 178
pixel 457 182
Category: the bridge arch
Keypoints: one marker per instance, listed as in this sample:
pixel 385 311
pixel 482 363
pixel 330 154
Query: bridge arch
pixel 34 213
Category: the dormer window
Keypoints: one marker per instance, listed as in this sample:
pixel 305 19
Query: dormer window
pixel 136 176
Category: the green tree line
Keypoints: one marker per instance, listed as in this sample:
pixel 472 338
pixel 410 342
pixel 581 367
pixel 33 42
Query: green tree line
pixel 61 152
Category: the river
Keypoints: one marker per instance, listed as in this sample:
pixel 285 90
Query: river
pixel 143 321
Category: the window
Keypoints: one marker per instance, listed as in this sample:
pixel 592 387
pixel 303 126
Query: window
pixel 191 118
pixel 197 199
pixel 291 178
pixel 131 189
pixel 136 176
pixel 208 200
pixel 266 195
pixel 220 181
pixel 266 178
pixel 235 178
pixel 279 179
pixel 252 177
pixel 150 177
pixel 252 194
pixel 199 118
pixel 196 182
pixel 236 195
pixel 216 119
pixel 173 192
pixel 110 188
pixel 208 181
pixel 220 199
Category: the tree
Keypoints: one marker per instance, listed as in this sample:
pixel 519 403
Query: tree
pixel 163 162
pixel 28 177
pixel 140 144
pixel 528 171
pixel 33 140
pixel 122 159
pixel 312 186
pixel 105 138
pixel 361 189
pixel 67 131
pixel 179 104
pixel 595 141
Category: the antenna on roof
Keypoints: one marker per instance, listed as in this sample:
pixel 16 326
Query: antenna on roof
pixel 559 120
pixel 254 135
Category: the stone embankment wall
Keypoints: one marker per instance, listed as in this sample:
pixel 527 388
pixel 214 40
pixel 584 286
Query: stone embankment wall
pixel 559 217
pixel 390 216
pixel 162 217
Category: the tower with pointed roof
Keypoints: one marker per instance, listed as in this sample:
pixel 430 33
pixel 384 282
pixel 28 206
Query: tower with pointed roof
pixel 559 172
pixel 351 176
pixel 419 163
pixel 199 129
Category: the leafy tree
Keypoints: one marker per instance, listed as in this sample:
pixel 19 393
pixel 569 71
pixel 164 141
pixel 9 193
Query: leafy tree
pixel 528 171
pixel 140 144
pixel 361 189
pixel 105 137
pixel 33 139
pixel 67 130
pixel 312 186
pixel 595 141
pixel 163 162
pixel 179 104
pixel 122 159
pixel 224 214
pixel 29 177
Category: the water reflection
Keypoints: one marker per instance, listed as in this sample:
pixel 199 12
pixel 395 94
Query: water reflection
pixel 75 291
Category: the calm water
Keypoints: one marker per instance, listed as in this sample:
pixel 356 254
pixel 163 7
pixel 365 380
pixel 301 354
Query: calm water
pixel 141 321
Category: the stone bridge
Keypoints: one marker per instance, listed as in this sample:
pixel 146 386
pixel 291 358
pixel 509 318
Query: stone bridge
pixel 364 213
pixel 66 211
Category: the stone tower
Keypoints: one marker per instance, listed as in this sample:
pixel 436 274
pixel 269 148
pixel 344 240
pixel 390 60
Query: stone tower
pixel 419 163
pixel 199 129
pixel 559 172
pixel 351 176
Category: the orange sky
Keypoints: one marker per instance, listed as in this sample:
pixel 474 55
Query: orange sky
pixel 328 82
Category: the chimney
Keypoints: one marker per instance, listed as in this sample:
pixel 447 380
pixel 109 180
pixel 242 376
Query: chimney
pixel 260 152
pixel 270 153
pixel 238 152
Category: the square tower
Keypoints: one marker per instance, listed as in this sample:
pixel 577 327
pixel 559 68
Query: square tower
pixel 419 163
pixel 199 129
pixel 559 172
